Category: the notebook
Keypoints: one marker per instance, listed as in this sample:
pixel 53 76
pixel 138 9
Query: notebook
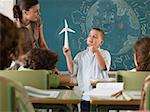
pixel 105 89
pixel 39 93
pixel 129 95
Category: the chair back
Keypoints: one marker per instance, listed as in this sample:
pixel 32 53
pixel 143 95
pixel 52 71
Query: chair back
pixel 132 80
pixel 148 97
pixel 13 97
pixel 35 78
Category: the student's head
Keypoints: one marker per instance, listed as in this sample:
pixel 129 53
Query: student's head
pixel 9 39
pixel 28 9
pixel 142 54
pixel 96 36
pixel 39 58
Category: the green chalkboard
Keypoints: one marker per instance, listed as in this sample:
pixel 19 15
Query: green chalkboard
pixel 124 22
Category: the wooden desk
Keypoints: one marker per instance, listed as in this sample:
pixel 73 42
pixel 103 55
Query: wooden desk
pixel 74 83
pixel 74 80
pixel 113 104
pixel 72 97
pixel 103 81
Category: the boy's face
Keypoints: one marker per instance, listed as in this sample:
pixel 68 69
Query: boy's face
pixel 95 38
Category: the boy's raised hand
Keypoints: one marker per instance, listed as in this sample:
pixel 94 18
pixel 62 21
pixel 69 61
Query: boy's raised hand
pixel 66 51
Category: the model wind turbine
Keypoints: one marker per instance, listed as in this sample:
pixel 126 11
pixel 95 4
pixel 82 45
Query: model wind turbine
pixel 66 30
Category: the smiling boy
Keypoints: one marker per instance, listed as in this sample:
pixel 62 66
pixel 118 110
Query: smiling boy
pixel 90 64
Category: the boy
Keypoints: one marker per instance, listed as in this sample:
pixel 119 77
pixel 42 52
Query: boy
pixel 44 59
pixel 90 64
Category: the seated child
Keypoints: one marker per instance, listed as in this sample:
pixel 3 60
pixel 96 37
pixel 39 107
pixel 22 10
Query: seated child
pixel 9 40
pixel 44 59
pixel 25 45
pixel 142 62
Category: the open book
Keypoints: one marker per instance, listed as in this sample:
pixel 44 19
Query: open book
pixel 103 80
pixel 105 89
pixel 129 95
pixel 34 92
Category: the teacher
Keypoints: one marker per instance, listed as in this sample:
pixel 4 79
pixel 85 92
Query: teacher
pixel 27 14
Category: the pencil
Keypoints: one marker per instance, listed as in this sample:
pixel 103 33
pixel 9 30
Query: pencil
pixel 117 94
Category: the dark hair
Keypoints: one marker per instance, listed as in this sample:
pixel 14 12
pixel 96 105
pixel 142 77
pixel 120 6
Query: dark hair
pixel 26 41
pixel 39 58
pixel 9 39
pixel 142 49
pixel 100 30
pixel 23 5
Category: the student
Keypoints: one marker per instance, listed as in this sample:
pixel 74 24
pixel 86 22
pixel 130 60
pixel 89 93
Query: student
pixel 25 45
pixel 44 59
pixel 142 61
pixel 27 15
pixel 9 40
pixel 142 54
pixel 90 64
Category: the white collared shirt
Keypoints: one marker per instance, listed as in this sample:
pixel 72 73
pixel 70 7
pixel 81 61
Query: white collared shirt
pixel 86 68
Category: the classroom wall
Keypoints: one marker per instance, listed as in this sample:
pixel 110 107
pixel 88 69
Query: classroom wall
pixel 124 22
pixel 6 7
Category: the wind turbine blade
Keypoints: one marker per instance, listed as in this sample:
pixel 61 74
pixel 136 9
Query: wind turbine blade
pixel 66 24
pixel 63 30
pixel 70 30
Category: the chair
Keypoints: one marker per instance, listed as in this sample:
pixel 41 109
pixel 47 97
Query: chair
pixel 132 80
pixel 35 78
pixel 145 100
pixel 148 97
pixel 41 79
pixel 6 100
pixel 13 97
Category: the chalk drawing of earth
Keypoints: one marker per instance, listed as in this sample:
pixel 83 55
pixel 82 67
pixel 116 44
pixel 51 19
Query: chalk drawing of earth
pixel 119 22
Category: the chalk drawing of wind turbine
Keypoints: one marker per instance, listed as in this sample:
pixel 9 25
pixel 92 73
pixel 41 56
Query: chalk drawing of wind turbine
pixel 66 30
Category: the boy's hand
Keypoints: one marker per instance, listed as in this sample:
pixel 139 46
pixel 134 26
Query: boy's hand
pixel 66 51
